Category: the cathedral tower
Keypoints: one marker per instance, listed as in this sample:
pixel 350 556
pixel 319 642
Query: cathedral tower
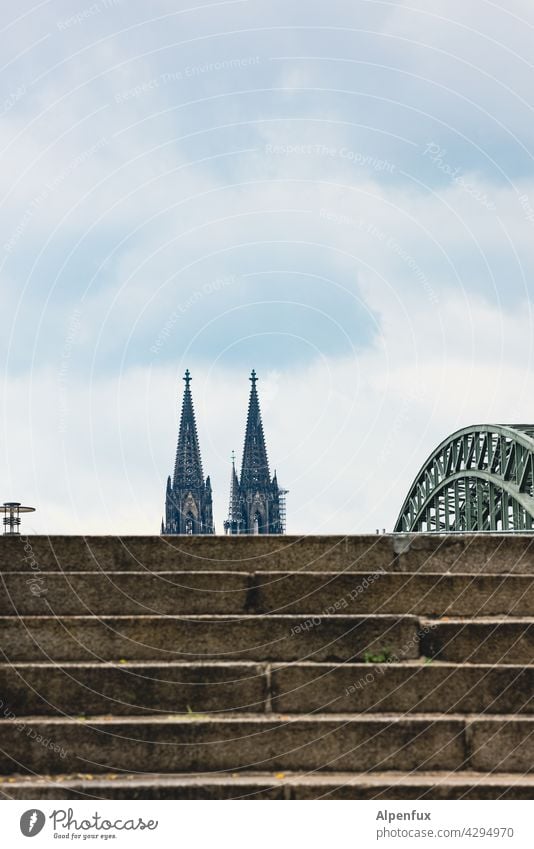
pixel 188 507
pixel 256 501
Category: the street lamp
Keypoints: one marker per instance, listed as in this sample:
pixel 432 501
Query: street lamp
pixel 12 511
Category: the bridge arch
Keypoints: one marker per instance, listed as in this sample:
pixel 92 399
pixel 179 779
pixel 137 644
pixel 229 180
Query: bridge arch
pixel 479 479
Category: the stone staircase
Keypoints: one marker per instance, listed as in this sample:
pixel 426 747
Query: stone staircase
pixel 388 667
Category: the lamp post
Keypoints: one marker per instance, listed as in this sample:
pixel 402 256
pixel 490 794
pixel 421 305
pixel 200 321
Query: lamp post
pixel 12 520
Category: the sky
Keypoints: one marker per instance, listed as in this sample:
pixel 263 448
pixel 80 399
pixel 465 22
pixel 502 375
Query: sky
pixel 339 195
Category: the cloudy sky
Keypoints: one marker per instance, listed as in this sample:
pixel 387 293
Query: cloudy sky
pixel 338 194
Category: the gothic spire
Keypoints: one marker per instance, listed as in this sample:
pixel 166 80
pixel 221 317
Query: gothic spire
pixel 188 501
pixel 255 466
pixel 188 465
pixel 256 501
pixel 233 508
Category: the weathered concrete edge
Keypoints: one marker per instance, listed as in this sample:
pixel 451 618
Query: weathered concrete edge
pixel 401 552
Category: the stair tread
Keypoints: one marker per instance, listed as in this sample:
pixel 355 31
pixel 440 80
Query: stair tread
pixel 263 718
pixel 418 663
pixel 267 778
pixel 278 574
pixel 206 617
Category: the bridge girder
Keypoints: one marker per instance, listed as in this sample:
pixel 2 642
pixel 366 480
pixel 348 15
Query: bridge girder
pixel 479 479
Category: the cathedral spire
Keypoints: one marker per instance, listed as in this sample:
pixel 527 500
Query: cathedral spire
pixel 255 500
pixel 234 491
pixel 188 497
pixel 188 463
pixel 234 515
pixel 255 466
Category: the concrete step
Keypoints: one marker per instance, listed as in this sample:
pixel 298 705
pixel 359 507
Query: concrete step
pixel 124 593
pixel 247 742
pixel 171 593
pixel 282 786
pixel 486 640
pixel 470 553
pixel 132 688
pixel 196 553
pixel 404 688
pixel 136 688
pixel 383 592
pixel 267 637
pixel 335 742
pixel 277 638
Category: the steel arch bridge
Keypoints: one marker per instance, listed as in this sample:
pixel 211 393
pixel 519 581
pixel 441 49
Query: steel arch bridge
pixel 479 479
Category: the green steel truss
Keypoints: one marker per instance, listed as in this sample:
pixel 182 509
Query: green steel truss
pixel 479 479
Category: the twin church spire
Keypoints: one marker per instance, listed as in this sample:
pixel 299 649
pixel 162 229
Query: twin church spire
pixel 188 503
pixel 257 503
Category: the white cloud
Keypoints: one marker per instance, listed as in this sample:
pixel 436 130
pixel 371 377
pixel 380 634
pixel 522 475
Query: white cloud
pixel 222 173
pixel 346 437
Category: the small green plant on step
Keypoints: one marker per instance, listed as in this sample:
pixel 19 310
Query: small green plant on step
pixel 191 714
pixel 383 656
